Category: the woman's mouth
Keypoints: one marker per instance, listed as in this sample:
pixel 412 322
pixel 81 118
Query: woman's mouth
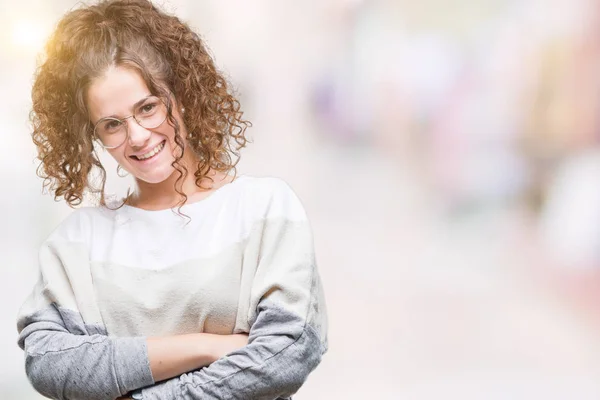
pixel 151 154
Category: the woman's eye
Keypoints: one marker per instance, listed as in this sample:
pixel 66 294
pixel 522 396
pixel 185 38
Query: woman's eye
pixel 111 126
pixel 148 108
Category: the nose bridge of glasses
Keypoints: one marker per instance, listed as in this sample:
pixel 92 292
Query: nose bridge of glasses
pixel 132 116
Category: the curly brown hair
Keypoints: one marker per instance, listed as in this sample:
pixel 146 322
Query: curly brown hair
pixel 173 61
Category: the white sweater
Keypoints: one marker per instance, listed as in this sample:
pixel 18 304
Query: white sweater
pixel 109 279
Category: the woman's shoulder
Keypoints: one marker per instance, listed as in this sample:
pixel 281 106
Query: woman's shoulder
pixel 273 196
pixel 264 184
pixel 80 223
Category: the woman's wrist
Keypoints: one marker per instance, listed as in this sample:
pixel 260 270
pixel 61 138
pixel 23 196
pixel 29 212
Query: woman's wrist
pixel 225 344
pixel 208 348
pixel 174 355
pixel 171 356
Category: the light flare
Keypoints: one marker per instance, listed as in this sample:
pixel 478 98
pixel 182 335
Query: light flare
pixel 28 35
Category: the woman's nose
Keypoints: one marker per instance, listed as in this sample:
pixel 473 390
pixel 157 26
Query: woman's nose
pixel 138 135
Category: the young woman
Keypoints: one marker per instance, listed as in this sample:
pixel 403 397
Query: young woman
pixel 199 284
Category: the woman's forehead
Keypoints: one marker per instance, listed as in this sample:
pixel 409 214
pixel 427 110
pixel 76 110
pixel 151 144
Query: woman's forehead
pixel 115 92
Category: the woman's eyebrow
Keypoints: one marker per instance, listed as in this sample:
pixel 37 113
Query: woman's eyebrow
pixel 139 103
pixel 136 105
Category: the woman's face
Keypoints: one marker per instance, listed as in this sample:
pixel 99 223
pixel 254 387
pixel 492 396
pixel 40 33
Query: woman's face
pixel 147 154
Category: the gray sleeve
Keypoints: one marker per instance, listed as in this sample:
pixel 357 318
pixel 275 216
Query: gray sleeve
pixel 68 360
pixel 282 351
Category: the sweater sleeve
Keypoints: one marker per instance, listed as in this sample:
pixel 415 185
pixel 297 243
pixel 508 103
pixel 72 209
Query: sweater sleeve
pixel 286 315
pixel 68 353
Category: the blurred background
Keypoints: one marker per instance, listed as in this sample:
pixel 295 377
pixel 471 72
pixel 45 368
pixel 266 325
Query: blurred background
pixel 448 155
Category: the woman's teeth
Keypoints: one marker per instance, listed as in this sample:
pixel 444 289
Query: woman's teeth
pixel 151 152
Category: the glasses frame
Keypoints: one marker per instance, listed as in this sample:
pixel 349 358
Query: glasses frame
pixel 126 125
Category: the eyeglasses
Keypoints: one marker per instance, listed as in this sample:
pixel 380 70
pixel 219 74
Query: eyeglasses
pixel 113 132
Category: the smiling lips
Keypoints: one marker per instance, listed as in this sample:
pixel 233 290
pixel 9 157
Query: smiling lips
pixel 151 153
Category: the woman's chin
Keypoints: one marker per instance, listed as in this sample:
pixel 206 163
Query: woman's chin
pixel 154 178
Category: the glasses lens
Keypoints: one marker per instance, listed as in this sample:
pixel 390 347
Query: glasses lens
pixel 151 113
pixel 111 132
